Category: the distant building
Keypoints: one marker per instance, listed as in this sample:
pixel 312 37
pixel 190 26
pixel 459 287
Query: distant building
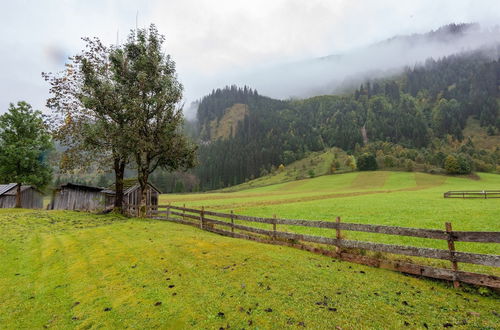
pixel 78 197
pixel 96 199
pixel 132 193
pixel 31 198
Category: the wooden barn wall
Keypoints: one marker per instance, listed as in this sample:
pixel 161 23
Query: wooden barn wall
pixel 30 199
pixel 78 199
pixel 134 196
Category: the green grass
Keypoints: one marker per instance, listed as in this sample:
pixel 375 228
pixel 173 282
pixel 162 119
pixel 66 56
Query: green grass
pixel 382 197
pixel 320 163
pixel 77 270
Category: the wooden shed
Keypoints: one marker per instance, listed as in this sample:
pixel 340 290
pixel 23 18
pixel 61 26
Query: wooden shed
pixel 132 192
pixel 78 197
pixel 31 198
pixel 95 199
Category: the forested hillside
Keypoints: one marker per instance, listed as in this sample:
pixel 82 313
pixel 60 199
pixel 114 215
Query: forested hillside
pixel 438 116
pixel 413 121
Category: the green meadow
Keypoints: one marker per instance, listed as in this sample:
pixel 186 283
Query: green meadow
pixel 386 198
pixel 62 269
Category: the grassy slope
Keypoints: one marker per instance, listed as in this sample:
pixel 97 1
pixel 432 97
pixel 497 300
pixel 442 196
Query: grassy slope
pixel 479 135
pixel 390 198
pixel 319 162
pixel 65 269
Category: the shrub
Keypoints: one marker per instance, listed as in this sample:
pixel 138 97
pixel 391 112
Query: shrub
pixel 367 162
pixel 451 165
pixel 457 165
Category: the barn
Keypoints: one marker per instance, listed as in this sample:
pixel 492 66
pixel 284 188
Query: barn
pixel 31 198
pixel 78 197
pixel 96 199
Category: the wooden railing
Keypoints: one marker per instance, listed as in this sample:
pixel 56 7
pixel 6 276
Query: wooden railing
pixel 483 194
pixel 216 221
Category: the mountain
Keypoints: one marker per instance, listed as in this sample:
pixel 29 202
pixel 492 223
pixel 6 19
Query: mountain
pixel 343 71
pixel 412 121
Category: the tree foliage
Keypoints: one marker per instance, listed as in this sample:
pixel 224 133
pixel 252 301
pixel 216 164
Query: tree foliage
pixel 148 79
pixel 91 114
pixel 24 146
pixel 367 162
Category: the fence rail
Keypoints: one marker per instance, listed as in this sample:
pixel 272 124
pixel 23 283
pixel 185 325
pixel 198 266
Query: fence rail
pixel 205 219
pixel 483 194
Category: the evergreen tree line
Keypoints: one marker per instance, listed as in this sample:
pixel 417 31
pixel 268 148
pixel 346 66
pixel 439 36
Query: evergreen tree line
pixel 420 111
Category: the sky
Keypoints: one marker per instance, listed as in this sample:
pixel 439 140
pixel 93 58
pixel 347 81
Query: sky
pixel 214 43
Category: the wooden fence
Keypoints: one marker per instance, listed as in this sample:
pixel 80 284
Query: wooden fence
pixel 484 194
pixel 224 224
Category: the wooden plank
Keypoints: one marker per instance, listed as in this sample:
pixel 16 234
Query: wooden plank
pixel 478 259
pixel 274 227
pixel 395 230
pixel 477 236
pixel 451 248
pixel 190 216
pixel 183 209
pixel 232 221
pixel 337 235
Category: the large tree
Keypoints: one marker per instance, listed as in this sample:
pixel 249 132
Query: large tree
pixel 148 78
pixel 24 145
pixel 92 116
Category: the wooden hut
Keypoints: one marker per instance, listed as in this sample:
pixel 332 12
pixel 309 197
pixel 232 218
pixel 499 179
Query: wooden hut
pixel 95 199
pixel 78 197
pixel 132 193
pixel 31 198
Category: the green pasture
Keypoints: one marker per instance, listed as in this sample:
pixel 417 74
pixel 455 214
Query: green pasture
pixel 382 197
pixel 65 270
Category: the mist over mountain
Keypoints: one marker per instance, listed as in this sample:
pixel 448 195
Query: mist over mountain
pixel 372 100
pixel 338 72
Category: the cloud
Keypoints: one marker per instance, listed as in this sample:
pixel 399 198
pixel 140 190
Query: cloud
pixel 213 42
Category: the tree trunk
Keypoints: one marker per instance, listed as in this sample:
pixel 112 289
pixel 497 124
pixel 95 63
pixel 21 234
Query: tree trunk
pixel 143 183
pixel 119 167
pixel 18 196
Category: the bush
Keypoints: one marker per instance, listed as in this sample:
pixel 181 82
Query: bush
pixel 451 165
pixel 457 165
pixel 367 162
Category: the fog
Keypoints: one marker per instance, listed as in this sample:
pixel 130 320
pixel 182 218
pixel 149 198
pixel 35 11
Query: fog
pixel 332 74
pixel 283 48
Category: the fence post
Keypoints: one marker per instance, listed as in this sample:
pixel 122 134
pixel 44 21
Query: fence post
pixel 274 227
pixel 184 212
pixel 202 217
pixel 232 221
pixel 451 248
pixel 168 211
pixel 337 236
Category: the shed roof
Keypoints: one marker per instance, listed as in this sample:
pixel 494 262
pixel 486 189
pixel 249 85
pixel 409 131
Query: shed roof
pixel 6 189
pixel 80 187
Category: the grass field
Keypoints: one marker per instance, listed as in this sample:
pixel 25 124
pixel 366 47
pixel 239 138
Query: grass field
pixel 382 197
pixel 76 270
